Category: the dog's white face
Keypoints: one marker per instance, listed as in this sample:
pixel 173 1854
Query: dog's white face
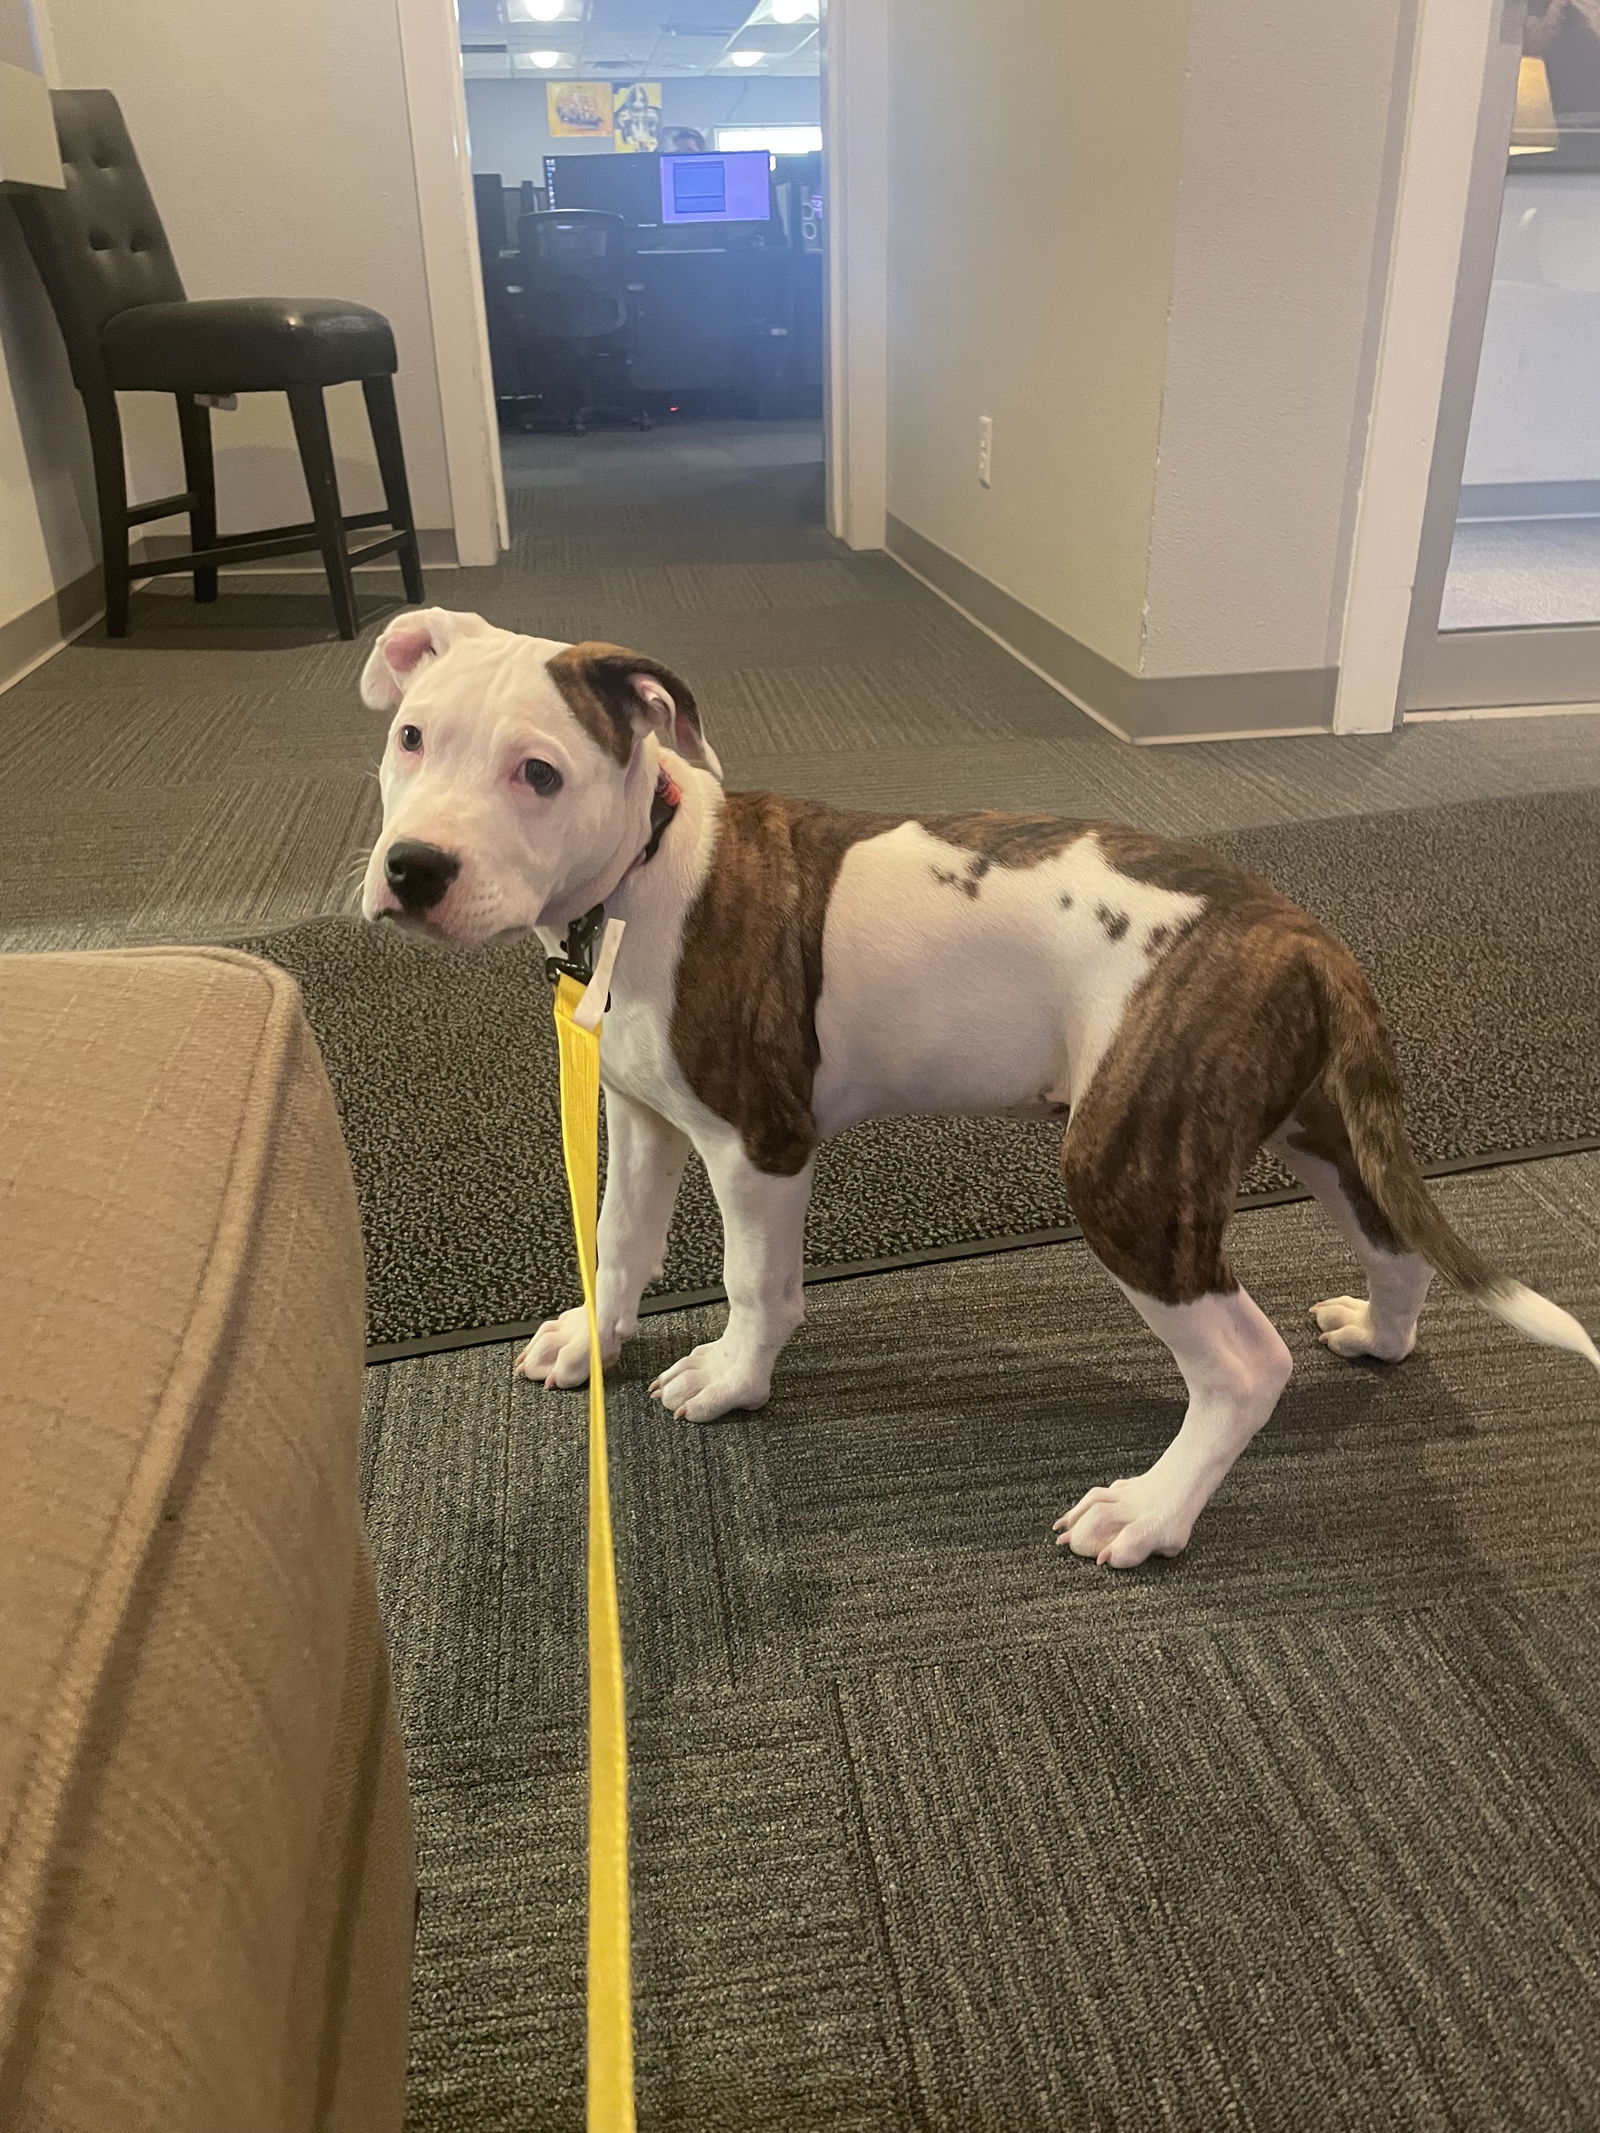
pixel 518 774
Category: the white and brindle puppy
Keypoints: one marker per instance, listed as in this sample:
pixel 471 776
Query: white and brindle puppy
pixel 790 969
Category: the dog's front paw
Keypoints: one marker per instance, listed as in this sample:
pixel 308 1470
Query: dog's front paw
pixel 558 1354
pixel 713 1381
pixel 1125 1524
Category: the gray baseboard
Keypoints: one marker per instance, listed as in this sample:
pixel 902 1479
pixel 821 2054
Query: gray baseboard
pixel 1528 499
pixel 45 627
pixel 1147 708
pixel 436 543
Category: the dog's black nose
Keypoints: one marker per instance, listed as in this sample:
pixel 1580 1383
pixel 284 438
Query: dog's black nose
pixel 419 873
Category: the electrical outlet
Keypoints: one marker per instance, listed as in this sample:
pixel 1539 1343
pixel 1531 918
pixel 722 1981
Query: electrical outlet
pixel 985 450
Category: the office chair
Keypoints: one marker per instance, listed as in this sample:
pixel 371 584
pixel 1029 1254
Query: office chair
pixel 575 310
pixel 118 299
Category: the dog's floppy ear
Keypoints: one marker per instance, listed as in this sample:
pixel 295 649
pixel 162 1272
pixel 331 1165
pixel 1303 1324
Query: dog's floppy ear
pixel 405 643
pixel 618 694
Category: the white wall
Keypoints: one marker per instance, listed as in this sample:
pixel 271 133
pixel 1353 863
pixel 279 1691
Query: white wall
pixel 506 119
pixel 1281 240
pixel 277 144
pixel 1536 413
pixel 1150 242
pixel 46 490
pixel 19 37
pixel 1033 196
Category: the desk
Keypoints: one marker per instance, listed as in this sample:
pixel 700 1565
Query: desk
pixel 711 319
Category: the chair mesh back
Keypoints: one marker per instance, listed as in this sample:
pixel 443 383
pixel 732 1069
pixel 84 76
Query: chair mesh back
pixel 576 238
pixel 574 274
pixel 99 245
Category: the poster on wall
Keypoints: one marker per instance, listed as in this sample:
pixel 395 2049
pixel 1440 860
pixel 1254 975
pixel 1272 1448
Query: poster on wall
pixel 636 118
pixel 579 109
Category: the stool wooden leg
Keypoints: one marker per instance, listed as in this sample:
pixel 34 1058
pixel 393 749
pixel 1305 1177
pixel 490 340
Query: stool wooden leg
pixel 392 467
pixel 310 413
pixel 111 495
pixel 200 478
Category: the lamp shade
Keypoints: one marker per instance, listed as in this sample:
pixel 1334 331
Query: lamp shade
pixel 1534 131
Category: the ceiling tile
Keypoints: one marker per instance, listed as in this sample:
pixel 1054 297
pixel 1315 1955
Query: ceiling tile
pixel 638 37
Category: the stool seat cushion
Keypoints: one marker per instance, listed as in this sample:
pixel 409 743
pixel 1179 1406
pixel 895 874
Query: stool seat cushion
pixel 246 344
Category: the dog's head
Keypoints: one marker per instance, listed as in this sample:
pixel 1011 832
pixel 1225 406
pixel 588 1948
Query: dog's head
pixel 518 774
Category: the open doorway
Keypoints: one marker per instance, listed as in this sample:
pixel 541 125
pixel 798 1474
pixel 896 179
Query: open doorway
pixel 648 189
pixel 1507 607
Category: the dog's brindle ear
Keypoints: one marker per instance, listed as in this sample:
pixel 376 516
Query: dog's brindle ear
pixel 616 695
pixel 404 645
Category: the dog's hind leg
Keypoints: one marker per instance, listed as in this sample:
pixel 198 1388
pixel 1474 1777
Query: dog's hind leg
pixel 1235 1365
pixel 644 1168
pixel 1152 1190
pixel 1316 1147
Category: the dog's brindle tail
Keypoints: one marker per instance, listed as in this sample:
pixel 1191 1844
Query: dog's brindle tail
pixel 1363 1080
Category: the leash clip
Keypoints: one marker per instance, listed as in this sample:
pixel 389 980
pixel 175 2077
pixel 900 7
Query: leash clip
pixel 576 959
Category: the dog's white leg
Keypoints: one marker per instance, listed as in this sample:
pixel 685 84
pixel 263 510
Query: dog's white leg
pixel 763 1236
pixel 1384 1322
pixel 644 1168
pixel 1235 1365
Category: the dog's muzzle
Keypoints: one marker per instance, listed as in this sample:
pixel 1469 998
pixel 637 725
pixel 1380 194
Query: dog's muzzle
pixel 419 874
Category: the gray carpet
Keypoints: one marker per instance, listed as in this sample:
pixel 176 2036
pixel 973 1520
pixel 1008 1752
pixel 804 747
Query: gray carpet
pixel 937 1827
pixel 1479 924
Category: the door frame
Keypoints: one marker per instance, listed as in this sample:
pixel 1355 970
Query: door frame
pixel 1438 220
pixel 855 94
pixel 436 101
pixel 1482 669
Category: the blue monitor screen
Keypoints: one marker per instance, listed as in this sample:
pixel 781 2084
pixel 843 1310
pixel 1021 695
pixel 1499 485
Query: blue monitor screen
pixel 712 188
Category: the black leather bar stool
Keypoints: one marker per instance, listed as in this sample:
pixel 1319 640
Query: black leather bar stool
pixel 119 300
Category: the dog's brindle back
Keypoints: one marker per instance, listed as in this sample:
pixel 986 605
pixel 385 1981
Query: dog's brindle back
pixel 1223 1043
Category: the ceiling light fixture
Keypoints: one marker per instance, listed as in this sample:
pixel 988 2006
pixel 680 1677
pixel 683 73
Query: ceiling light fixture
pixel 544 59
pixel 542 10
pixel 790 11
pixel 745 58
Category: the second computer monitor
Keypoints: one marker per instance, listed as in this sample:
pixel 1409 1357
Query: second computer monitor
pixel 717 188
pixel 618 185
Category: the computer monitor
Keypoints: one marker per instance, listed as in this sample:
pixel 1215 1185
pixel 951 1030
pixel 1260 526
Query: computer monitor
pixel 717 188
pixel 618 185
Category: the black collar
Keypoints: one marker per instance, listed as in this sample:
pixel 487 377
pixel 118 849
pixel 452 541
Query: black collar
pixel 662 809
pixel 582 938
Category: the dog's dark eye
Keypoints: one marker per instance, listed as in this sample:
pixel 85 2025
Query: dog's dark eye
pixel 543 777
pixel 411 739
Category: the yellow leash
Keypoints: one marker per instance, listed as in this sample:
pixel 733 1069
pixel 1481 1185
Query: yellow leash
pixel 610 1991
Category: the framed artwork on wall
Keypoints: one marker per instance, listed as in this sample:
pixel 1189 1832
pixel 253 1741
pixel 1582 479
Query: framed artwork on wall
pixel 636 118
pixel 579 109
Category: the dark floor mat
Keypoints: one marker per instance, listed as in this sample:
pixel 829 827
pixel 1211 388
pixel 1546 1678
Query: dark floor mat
pixel 1479 925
